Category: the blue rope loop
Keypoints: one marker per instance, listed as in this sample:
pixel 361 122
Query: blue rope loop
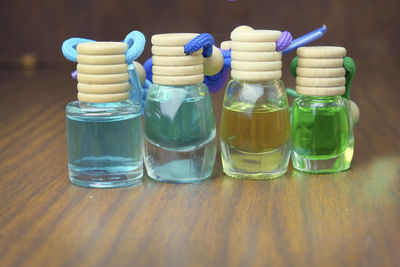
pixel 68 47
pixel 204 40
pixel 227 58
pixel 136 42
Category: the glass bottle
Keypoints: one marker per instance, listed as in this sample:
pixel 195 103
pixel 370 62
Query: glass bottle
pixel 178 125
pixel 104 129
pixel 255 126
pixel 322 125
pixel 322 134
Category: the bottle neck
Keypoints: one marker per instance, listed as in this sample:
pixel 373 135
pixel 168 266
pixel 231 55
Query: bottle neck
pixel 104 104
pixel 320 98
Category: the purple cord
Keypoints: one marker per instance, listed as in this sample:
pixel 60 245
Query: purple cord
pixel 74 74
pixel 284 41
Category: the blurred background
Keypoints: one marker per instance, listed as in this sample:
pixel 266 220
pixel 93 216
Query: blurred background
pixel 35 30
pixel 32 31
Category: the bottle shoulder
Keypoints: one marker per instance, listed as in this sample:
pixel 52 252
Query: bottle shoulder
pixel 267 95
pixel 78 108
pixel 166 92
pixel 318 102
pixel 267 84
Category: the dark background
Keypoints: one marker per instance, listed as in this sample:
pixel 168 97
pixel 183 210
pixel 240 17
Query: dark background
pixel 368 29
pixel 33 31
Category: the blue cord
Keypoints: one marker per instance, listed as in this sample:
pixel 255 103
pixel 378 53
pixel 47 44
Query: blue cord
pixel 148 65
pixel 68 47
pixel 136 42
pixel 204 40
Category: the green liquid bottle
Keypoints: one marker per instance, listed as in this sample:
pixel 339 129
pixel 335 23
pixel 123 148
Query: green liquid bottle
pixel 322 134
pixel 322 126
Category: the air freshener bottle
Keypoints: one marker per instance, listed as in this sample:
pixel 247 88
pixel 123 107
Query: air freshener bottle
pixel 179 126
pixel 322 125
pixel 104 127
pixel 255 127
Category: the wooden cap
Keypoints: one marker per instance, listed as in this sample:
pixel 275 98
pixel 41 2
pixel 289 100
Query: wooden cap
pixel 255 36
pixel 172 51
pixel 254 55
pixel 321 52
pixel 172 39
pixel 102 72
pixel 320 71
pixel 171 66
pixel 102 48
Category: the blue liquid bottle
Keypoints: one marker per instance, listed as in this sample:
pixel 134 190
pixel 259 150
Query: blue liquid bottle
pixel 179 126
pixel 104 128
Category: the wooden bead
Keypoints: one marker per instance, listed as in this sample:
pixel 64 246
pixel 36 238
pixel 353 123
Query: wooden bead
pixel 355 112
pixel 140 72
pixel 226 45
pixel 242 28
pixel 214 63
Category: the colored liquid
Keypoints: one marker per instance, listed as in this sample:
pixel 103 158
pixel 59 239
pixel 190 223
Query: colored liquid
pixel 255 141
pixel 322 139
pixel 104 150
pixel 259 130
pixel 179 138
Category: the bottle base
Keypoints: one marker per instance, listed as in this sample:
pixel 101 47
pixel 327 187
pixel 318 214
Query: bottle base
pixel 243 165
pixel 323 164
pixel 178 171
pixel 180 166
pixel 255 176
pixel 111 177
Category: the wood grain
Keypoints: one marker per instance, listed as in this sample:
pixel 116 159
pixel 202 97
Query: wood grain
pixel 345 219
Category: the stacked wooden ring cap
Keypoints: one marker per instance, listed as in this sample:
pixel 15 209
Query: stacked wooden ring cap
pixel 102 72
pixel 170 64
pixel 320 71
pixel 254 55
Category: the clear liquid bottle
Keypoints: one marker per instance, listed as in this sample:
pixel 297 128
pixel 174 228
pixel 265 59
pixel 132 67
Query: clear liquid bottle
pixel 104 128
pixel 255 126
pixel 322 126
pixel 179 126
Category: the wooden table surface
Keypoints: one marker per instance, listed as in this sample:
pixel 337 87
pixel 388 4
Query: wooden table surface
pixel 345 219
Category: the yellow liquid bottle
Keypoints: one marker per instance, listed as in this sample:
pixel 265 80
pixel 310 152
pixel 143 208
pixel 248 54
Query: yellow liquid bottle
pixel 255 122
pixel 255 130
